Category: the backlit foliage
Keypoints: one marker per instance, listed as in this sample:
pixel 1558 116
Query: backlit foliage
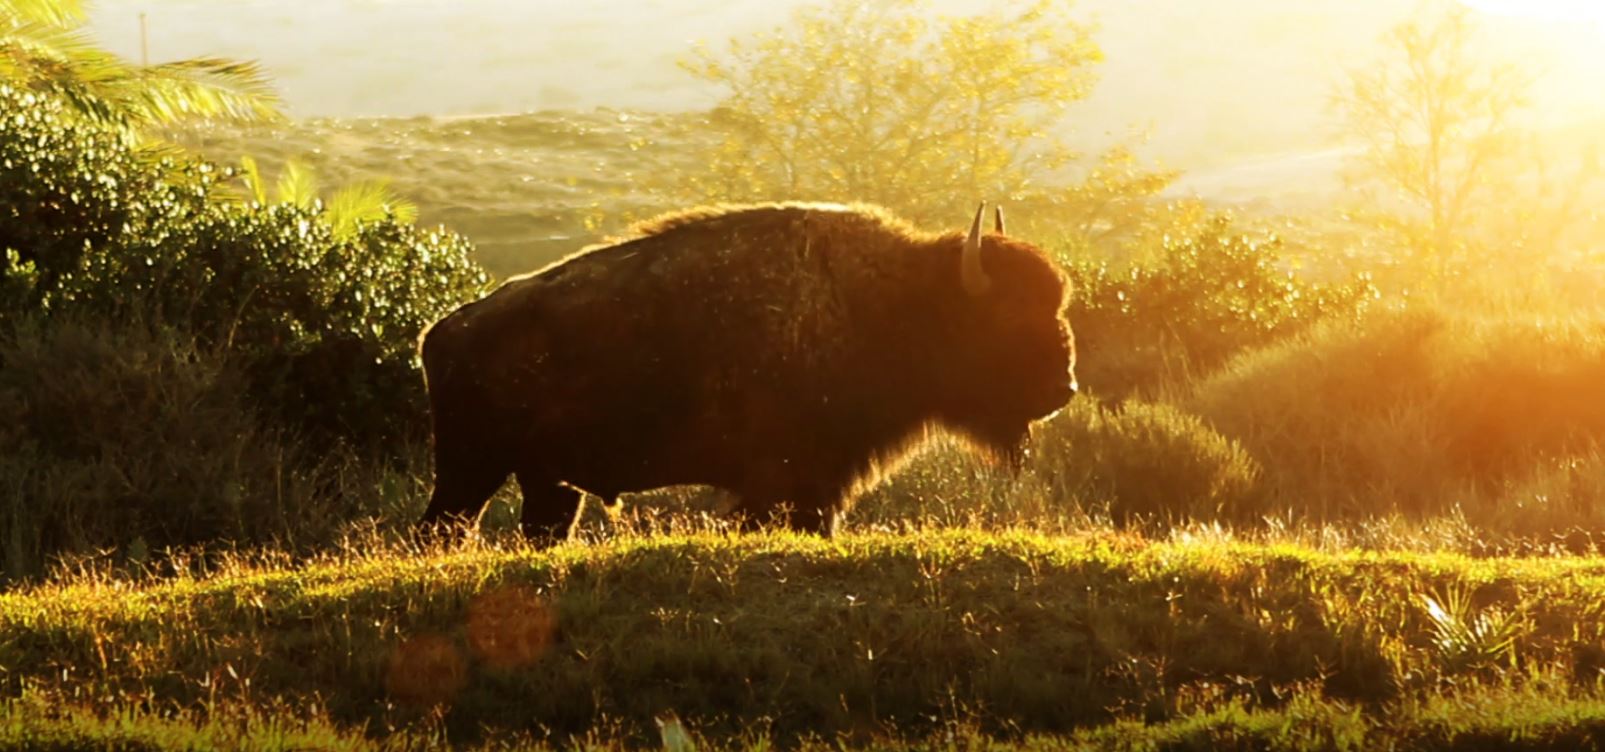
pixel 44 48
pixel 891 104
pixel 1089 641
pixel 1450 160
pixel 325 320
pixel 1191 303
pixel 345 211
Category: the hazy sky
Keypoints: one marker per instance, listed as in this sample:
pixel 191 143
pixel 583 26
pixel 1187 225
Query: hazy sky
pixel 1567 11
pixel 1213 79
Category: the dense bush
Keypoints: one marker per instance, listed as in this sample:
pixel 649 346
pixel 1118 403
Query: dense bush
pixel 1141 459
pixel 70 189
pixel 131 438
pixel 180 366
pixel 1133 460
pixel 1193 305
pixel 1419 412
pixel 323 326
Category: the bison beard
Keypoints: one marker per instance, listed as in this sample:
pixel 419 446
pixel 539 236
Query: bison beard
pixel 784 352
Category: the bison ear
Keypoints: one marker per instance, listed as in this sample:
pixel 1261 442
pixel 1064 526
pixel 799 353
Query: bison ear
pixel 997 219
pixel 974 276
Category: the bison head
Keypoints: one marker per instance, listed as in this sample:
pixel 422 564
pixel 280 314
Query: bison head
pixel 1010 353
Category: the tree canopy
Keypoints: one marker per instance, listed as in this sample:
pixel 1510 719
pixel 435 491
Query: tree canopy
pixel 892 104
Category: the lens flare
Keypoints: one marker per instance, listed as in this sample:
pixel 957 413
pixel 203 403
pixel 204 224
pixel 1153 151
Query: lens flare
pixel 510 627
pixel 426 671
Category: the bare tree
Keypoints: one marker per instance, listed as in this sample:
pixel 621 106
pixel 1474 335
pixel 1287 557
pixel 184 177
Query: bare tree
pixel 1435 118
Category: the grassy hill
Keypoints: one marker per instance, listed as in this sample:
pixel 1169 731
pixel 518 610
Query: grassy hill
pixel 521 187
pixel 1085 641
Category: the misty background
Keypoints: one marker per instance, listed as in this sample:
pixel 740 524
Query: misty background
pixel 1234 93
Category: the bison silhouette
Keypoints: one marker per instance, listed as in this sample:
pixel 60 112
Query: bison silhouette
pixel 789 353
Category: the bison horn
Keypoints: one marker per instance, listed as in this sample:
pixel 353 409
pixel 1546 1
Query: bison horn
pixel 997 219
pixel 975 279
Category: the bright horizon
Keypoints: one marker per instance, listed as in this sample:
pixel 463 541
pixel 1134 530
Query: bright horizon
pixel 1167 64
pixel 1550 10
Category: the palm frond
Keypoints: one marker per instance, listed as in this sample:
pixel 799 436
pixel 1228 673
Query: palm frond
pixel 1466 637
pixel 297 185
pixel 30 46
pixel 202 88
pixel 43 46
pixel 154 150
pixel 52 12
pixel 368 201
pixel 251 175
pixel 62 62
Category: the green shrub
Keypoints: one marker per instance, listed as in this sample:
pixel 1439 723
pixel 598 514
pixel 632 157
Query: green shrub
pixel 1199 301
pixel 324 326
pixel 1142 459
pixel 69 190
pixel 1132 460
pixel 949 485
pixel 131 438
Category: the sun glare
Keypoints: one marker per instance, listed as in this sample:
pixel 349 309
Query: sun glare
pixel 1590 11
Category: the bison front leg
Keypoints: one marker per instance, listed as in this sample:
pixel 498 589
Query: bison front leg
pixel 826 519
pixel 818 505
pixel 804 512
pixel 754 513
pixel 462 487
pixel 805 505
pixel 549 508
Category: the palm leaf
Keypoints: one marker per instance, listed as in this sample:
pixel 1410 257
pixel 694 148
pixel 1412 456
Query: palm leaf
pixel 297 185
pixel 100 85
pixel 368 201
pixel 251 175
pixel 31 47
pixel 52 12
pixel 202 88
pixel 62 62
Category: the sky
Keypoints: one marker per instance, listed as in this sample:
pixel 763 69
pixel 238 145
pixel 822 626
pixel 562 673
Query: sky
pixel 1586 11
pixel 1211 82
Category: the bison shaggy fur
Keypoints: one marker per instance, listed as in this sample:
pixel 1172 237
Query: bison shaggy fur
pixel 787 353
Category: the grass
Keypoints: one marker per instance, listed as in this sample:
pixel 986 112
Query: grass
pixel 873 638
pixel 1510 720
pixel 526 189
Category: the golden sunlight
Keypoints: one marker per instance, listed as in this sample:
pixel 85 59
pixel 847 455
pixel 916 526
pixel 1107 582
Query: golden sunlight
pixel 1554 10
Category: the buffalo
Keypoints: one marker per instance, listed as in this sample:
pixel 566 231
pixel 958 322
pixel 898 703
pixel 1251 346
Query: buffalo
pixel 788 353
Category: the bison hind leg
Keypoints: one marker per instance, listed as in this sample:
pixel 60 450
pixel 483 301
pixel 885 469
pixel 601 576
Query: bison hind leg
pixel 549 508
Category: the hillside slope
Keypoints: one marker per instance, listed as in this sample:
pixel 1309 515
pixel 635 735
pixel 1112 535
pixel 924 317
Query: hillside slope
pixel 521 187
pixel 872 636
